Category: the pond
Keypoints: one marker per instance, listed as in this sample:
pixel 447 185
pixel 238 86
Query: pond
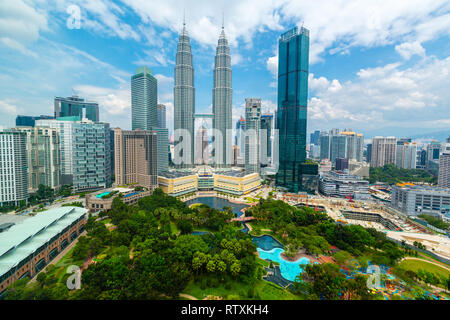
pixel 218 203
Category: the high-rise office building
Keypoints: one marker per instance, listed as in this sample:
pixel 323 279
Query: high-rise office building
pixel 29 121
pixel 76 106
pixel 266 129
pixel 162 148
pixel 222 102
pixel 240 139
pixel 184 97
pixel 84 152
pixel 201 146
pixel 13 167
pixel 444 166
pixel 161 116
pixel 341 164
pixel 252 141
pixel 383 151
pixel 293 66
pixel 338 147
pixel 406 154
pixel 65 132
pixel 43 157
pixel 136 157
pixel 369 153
pixel 324 141
pixel 314 138
pixel 144 97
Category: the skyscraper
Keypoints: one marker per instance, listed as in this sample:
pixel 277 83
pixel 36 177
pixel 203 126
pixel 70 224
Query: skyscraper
pixel 43 157
pixel 184 95
pixel 13 167
pixel 252 142
pixel 136 157
pixel 201 146
pixel 293 64
pixel 406 154
pixel 324 140
pixel 383 151
pixel 222 95
pixel 338 147
pixel 267 124
pixel 144 97
pixel 85 152
pixel 444 166
pixel 161 116
pixel 315 137
pixel 76 106
pixel 240 139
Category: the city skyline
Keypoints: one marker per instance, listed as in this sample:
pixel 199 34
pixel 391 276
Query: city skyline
pixel 410 62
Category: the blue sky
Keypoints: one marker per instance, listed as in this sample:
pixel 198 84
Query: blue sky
pixel 377 67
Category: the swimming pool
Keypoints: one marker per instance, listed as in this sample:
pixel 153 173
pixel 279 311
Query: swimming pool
pixel 102 194
pixel 289 269
pixel 266 242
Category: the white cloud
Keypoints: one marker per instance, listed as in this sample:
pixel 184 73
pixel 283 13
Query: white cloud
pixel 272 65
pixel 408 49
pixel 383 96
pixel 20 24
pixel 8 108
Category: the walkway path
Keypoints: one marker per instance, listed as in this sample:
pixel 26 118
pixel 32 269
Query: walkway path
pixel 187 296
pixel 423 260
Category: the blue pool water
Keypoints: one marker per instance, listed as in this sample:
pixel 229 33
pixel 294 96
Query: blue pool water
pixel 267 246
pixel 102 194
pixel 266 242
pixel 289 269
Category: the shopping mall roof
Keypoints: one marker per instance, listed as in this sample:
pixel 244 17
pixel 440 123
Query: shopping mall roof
pixel 21 240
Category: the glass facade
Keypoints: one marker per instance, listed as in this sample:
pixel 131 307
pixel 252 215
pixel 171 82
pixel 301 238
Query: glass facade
pixel 222 101
pixel 75 106
pixel 144 96
pixel 293 62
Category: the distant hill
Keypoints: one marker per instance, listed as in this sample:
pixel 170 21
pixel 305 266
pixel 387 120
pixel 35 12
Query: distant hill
pixel 439 135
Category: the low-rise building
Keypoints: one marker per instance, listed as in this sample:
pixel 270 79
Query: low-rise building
pixel 178 183
pixel 102 200
pixel 414 200
pixel 236 182
pixel 27 247
pixel 341 184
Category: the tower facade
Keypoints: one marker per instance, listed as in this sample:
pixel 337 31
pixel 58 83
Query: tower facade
pixel 252 141
pixel 293 65
pixel 144 97
pixel 184 94
pixel 222 95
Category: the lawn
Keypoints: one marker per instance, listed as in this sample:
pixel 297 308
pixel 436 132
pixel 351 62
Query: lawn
pixel 262 290
pixel 415 265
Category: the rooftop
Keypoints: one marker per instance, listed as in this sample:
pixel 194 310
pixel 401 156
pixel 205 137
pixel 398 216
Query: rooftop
pixel 23 239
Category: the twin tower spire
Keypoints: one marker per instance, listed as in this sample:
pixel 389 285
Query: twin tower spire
pixel 184 99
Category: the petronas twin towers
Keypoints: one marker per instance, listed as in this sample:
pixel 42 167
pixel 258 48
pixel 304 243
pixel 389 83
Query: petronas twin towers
pixel 184 100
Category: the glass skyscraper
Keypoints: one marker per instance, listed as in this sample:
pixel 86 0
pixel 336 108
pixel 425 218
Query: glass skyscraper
pixel 252 141
pixel 76 106
pixel 144 98
pixel 184 94
pixel 161 116
pixel 222 95
pixel 293 62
